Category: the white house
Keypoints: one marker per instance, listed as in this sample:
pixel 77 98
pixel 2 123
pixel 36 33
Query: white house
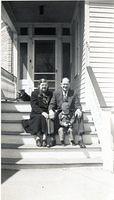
pixel 55 39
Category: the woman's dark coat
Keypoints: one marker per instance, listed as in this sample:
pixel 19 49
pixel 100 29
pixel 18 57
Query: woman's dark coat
pixel 39 103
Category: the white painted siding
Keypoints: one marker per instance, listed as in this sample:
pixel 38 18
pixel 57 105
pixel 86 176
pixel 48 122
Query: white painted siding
pixel 6 48
pixel 8 56
pixel 101 41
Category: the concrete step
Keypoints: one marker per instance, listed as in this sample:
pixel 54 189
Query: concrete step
pixel 33 163
pixel 16 106
pixel 24 106
pixel 56 147
pixel 12 125
pixel 29 156
pixel 26 115
pixel 19 149
pixel 28 139
pixel 28 134
pixel 44 154
pixel 15 116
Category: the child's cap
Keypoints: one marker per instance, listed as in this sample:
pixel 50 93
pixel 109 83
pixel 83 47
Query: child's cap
pixel 65 107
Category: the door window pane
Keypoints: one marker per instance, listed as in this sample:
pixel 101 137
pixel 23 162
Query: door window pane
pixel 44 56
pixel 45 61
pixel 66 59
pixel 24 31
pixel 65 31
pixel 46 76
pixel 51 84
pixel 23 60
pixel 44 31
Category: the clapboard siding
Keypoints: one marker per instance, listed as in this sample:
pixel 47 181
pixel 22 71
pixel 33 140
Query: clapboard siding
pixel 101 40
pixel 6 48
pixel 104 50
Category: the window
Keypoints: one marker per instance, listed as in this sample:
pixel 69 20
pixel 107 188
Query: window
pixel 23 60
pixel 44 31
pixel 24 31
pixel 65 31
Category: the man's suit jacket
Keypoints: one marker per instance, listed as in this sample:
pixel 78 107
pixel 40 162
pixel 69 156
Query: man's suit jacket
pixel 74 103
pixel 58 99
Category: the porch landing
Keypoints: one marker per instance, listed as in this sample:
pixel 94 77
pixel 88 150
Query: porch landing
pixel 58 184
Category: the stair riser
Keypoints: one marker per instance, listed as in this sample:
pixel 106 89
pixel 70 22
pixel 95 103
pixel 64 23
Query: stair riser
pixel 12 127
pixel 19 128
pixel 15 116
pixel 21 107
pixel 6 139
pixel 20 116
pixel 49 157
pixel 48 166
pixel 89 127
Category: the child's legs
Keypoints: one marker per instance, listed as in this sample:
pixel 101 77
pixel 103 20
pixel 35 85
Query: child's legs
pixel 61 133
pixel 70 131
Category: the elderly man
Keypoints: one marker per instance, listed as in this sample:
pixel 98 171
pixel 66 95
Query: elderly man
pixel 65 94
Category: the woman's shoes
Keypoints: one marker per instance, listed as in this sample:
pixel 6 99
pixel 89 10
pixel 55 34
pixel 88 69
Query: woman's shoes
pixel 81 144
pixel 44 143
pixel 38 143
pixel 73 143
pixel 49 145
pixel 62 143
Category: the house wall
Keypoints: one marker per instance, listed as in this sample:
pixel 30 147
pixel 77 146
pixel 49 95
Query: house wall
pixel 7 47
pixel 101 47
pixel 8 57
pixel 92 45
pixel 95 45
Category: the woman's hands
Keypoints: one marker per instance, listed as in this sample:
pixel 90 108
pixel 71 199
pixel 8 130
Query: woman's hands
pixel 45 115
pixel 51 114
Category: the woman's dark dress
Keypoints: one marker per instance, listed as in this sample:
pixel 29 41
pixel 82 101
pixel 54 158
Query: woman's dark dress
pixel 39 103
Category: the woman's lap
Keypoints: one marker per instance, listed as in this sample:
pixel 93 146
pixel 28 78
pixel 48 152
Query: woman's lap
pixel 38 124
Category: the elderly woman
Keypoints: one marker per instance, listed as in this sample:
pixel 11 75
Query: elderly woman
pixel 40 100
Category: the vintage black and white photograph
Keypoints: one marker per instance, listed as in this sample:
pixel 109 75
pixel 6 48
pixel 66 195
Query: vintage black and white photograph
pixel 57 100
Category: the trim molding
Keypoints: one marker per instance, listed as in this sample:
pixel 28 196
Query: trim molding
pixel 8 75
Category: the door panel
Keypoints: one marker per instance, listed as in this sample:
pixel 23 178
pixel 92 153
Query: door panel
pixel 23 60
pixel 44 62
pixel 66 60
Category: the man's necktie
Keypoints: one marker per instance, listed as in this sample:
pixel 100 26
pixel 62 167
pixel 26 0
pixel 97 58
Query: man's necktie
pixel 65 96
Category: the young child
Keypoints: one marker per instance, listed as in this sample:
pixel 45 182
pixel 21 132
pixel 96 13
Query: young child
pixel 66 120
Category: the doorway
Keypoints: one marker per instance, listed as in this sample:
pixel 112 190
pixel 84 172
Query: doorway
pixel 44 62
